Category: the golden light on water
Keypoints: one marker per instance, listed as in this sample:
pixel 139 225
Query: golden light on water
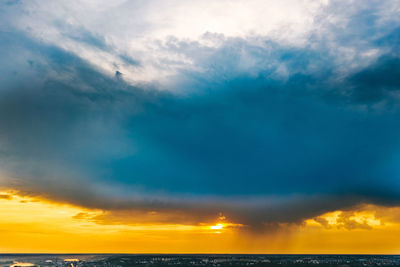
pixel 22 264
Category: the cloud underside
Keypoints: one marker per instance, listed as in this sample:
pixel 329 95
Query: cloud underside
pixel 289 137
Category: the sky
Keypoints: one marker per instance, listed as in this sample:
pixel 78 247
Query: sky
pixel 241 126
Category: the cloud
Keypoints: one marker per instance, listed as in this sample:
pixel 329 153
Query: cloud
pixel 259 129
pixel 111 33
pixel 372 84
pixel 5 196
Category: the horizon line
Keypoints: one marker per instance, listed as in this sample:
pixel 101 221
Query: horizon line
pixel 250 254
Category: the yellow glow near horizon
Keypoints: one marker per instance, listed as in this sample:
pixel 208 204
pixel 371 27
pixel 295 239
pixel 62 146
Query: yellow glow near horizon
pixel 36 225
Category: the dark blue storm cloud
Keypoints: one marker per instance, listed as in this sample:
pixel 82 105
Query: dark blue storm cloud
pixel 314 139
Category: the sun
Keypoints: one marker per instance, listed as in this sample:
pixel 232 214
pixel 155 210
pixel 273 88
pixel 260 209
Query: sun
pixel 218 226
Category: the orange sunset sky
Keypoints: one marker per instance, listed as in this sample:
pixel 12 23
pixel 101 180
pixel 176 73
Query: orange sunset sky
pixel 36 225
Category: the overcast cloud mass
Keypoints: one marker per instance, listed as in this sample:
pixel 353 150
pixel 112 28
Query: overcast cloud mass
pixel 263 112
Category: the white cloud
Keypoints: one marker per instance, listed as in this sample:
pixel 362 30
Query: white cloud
pixel 134 27
pixel 139 29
